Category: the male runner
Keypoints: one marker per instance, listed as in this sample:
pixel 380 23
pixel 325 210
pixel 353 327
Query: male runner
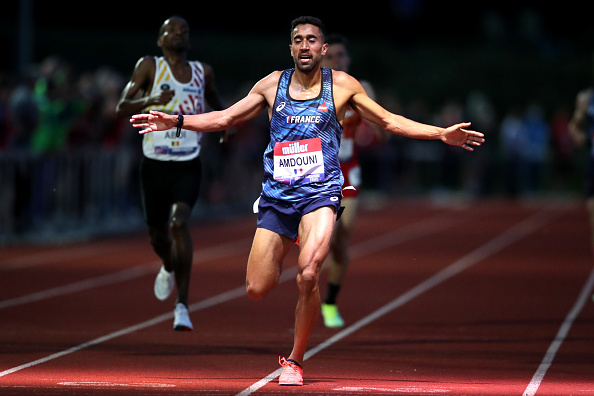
pixel 302 185
pixel 581 128
pixel 170 168
pixel 337 58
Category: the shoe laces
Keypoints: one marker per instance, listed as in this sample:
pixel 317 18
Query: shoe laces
pixel 181 309
pixel 285 363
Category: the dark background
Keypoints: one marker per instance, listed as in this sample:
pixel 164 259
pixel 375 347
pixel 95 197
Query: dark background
pixel 431 49
pixel 74 174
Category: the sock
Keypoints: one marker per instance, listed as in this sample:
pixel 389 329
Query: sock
pixel 332 293
pixel 294 362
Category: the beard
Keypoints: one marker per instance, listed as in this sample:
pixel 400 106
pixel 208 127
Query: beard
pixel 306 67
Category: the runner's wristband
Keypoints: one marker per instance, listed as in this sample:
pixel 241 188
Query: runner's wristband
pixel 180 122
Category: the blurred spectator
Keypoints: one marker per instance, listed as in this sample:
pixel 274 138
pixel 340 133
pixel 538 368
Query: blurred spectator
pixel 98 123
pixel 513 141
pixel 536 149
pixel 481 175
pixel 49 118
pixel 57 104
pixel 22 116
pixel 562 147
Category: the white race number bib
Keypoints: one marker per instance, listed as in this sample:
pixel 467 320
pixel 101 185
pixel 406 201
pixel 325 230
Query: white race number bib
pixel 299 161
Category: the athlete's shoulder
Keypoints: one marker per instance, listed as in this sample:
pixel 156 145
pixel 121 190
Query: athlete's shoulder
pixel 206 68
pixel 270 81
pixel 201 64
pixel 340 77
pixel 144 70
pixel 275 76
pixel 345 81
pixel 146 62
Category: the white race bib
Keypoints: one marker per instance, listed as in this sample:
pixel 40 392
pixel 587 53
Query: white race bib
pixel 299 161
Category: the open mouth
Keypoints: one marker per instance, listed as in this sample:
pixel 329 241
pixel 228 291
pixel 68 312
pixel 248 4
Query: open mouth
pixel 305 58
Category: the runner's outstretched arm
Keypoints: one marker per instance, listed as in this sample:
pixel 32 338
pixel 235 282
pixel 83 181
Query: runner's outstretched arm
pixel 456 135
pixel 247 108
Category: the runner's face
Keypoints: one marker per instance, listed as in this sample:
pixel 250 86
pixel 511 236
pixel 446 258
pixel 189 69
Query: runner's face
pixel 336 58
pixel 307 47
pixel 175 35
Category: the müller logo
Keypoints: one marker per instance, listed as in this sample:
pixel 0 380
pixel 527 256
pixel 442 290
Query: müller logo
pixel 299 161
pixel 295 148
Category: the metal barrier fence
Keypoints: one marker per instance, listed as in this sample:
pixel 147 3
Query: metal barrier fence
pixel 80 194
pixel 68 196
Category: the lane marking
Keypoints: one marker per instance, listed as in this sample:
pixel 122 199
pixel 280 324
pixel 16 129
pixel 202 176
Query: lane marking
pixel 367 389
pixel 200 256
pixel 399 235
pixel 104 280
pixel 103 384
pixel 540 373
pixel 423 228
pixel 49 257
pixel 209 302
pixel 80 251
pixel 495 245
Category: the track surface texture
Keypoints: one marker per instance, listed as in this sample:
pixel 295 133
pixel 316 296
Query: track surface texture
pixel 468 298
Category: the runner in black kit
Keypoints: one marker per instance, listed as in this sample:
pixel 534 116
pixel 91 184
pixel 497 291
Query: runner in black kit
pixel 171 170
pixel 300 198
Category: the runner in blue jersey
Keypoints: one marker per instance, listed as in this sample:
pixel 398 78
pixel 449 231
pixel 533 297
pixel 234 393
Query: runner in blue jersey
pixel 297 171
pixel 298 198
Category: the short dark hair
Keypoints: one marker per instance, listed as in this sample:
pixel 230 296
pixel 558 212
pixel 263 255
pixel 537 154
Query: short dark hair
pixel 168 19
pixel 308 20
pixel 336 39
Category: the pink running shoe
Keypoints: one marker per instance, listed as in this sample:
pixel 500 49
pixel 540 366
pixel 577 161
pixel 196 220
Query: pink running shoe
pixel 292 373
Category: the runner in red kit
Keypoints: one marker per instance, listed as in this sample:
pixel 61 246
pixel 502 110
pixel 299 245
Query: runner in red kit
pixel 337 58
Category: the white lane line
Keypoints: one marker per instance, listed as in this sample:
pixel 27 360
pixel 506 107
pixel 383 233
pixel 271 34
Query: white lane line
pixel 403 234
pixel 399 235
pixel 200 256
pixel 209 302
pixel 58 255
pixel 80 252
pixel 495 245
pixel 540 373
pixel 423 227
pixel 86 284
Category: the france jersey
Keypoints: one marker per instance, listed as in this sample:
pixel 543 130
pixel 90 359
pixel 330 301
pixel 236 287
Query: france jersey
pixel 301 160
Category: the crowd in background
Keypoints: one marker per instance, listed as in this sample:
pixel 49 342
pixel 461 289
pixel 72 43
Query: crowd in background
pixel 66 158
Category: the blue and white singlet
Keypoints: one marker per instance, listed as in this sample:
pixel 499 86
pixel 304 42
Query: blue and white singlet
pixel 301 160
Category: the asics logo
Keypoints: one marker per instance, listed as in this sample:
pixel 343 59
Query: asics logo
pixel 280 106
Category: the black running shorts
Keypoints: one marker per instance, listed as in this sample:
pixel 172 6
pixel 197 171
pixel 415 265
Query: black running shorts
pixel 164 183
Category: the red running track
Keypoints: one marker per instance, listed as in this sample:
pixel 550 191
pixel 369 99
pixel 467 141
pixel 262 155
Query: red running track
pixel 477 298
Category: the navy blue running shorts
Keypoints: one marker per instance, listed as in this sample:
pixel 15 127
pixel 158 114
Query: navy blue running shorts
pixel 284 217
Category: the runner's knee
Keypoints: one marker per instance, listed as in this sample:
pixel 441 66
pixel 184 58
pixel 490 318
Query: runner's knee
pixel 259 290
pixel 180 214
pixel 307 279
